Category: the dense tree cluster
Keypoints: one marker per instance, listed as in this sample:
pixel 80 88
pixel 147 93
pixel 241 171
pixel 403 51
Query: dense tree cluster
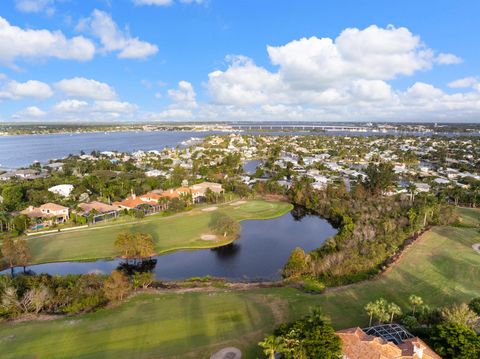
pixel 70 294
pixel 224 225
pixel 135 245
pixel 451 331
pixel 310 337
pixel 371 227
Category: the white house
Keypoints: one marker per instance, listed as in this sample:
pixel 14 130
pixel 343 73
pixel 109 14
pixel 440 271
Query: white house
pixel 63 190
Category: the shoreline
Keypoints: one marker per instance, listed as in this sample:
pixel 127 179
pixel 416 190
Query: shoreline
pixel 208 244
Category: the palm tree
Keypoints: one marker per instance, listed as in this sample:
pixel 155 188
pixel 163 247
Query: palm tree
pixel 393 310
pixel 271 345
pixel 415 301
pixel 371 310
pixel 412 189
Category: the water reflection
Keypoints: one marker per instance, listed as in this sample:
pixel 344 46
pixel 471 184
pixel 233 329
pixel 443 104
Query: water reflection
pixel 228 251
pixel 260 252
pixel 142 266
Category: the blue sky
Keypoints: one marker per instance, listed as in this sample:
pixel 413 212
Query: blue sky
pixel 182 60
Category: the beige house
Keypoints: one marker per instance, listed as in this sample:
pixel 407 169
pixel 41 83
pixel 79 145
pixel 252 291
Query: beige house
pixel 51 213
pixel 99 210
pixel 202 187
pixel 386 342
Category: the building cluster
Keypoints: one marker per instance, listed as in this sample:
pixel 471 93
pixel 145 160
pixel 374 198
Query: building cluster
pixel 425 163
pixel 50 214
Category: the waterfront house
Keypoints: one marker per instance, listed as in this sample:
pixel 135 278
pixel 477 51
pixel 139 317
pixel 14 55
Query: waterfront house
pixel 99 210
pixel 49 213
pixel 149 200
pixel 202 187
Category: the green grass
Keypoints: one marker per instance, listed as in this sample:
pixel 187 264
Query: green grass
pixel 441 267
pixel 148 326
pixel 470 216
pixel 180 231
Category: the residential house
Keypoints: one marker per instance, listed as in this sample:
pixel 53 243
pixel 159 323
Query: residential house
pixel 63 190
pixel 23 174
pixel 55 166
pixel 155 173
pixel 389 341
pixel 422 187
pixel 50 213
pixel 99 210
pixel 150 199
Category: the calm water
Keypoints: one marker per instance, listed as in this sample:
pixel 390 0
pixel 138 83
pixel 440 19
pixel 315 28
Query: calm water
pixel 250 166
pixel 259 253
pixel 21 151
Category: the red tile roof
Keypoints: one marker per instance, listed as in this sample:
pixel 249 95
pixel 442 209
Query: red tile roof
pixel 356 344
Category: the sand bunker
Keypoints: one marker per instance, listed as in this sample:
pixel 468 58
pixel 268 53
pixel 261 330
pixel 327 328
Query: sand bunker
pixel 209 209
pixel 227 353
pixel 237 203
pixel 208 237
pixel 476 247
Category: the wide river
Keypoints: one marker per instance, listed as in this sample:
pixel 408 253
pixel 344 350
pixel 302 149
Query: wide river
pixel 259 254
pixel 22 151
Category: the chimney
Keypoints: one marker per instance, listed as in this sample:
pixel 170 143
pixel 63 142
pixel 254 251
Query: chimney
pixel 418 349
pixel 133 194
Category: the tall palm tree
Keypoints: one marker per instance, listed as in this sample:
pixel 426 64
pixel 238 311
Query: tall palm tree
pixel 415 301
pixel 393 310
pixel 271 345
pixel 412 189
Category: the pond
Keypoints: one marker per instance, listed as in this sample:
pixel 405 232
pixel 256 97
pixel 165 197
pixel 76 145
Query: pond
pixel 250 166
pixel 259 254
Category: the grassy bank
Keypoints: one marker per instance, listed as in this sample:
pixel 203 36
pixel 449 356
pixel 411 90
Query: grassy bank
pixel 441 267
pixel 181 231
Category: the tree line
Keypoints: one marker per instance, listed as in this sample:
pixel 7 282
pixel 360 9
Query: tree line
pixel 371 227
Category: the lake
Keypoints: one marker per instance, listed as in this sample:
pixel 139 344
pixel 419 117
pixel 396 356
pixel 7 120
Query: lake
pixel 259 254
pixel 22 151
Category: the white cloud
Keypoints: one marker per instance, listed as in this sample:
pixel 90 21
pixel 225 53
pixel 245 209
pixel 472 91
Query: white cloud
pixel 36 6
pixel 70 106
pixel 74 110
pixel 448 59
pixel 153 2
pixel 101 25
pixel 30 112
pixel 17 90
pixel 114 106
pixel 243 83
pixel 469 82
pixel 16 42
pixel 86 88
pixel 464 83
pixel 372 54
pixel 165 2
pixel 171 114
pixel 184 95
pixel 347 78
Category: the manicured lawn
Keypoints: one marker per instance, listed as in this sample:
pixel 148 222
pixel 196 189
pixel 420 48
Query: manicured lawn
pixel 175 232
pixel 470 216
pixel 148 326
pixel 441 267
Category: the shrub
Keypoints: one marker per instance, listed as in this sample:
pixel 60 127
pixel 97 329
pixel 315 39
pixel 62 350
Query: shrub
pixel 474 305
pixel 313 286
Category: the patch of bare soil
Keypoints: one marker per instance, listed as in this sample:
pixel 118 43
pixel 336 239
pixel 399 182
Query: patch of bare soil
pixel 208 237
pixel 237 203
pixel 209 209
pixel 476 247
